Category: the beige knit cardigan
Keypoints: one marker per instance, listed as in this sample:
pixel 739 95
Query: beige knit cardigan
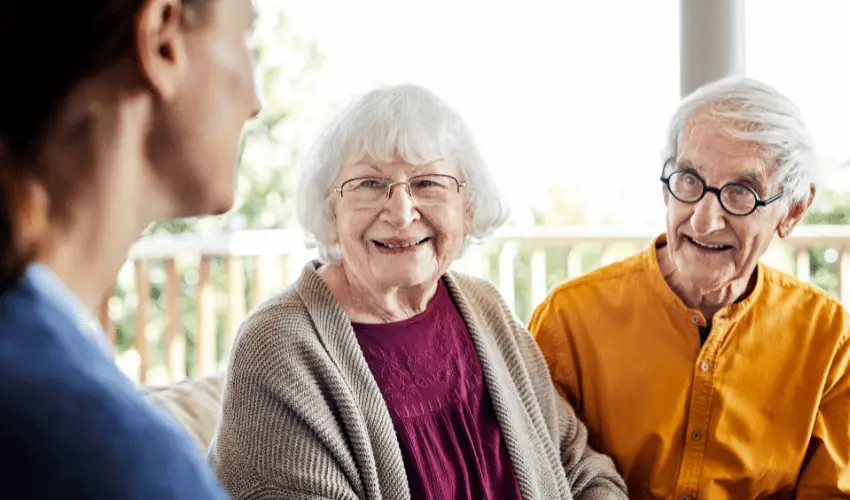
pixel 303 418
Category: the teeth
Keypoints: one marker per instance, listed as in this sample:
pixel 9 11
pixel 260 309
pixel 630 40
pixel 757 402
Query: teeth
pixel 402 246
pixel 706 245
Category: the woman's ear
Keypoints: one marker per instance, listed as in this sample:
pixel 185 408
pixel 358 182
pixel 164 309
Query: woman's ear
pixel 468 215
pixel 160 46
pixel 330 217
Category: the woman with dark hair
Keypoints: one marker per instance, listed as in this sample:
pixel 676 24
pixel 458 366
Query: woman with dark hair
pixel 113 114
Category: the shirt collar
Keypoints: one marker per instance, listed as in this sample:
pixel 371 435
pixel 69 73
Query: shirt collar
pixel 736 310
pixel 47 282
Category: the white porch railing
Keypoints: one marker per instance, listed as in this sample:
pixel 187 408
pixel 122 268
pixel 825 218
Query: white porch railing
pixel 183 297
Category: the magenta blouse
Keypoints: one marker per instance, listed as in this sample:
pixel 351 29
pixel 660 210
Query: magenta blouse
pixel 431 380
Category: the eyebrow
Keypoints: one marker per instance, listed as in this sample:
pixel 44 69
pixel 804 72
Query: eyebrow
pixel 752 174
pixel 377 167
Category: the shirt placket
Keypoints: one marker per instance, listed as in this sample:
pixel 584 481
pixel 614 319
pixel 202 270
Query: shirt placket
pixel 699 414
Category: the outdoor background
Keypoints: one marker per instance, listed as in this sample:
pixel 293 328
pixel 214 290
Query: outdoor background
pixel 569 102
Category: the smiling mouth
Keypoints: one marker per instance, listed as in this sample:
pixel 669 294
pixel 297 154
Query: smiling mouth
pixel 399 246
pixel 708 246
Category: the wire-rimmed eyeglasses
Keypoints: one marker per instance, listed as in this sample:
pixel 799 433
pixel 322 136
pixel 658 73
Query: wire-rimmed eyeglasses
pixel 424 189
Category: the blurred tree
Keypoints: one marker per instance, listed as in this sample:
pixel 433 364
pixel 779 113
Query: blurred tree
pixel 834 208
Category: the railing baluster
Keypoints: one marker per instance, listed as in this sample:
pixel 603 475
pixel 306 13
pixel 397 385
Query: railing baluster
pixel 235 298
pixel 609 255
pixel 844 276
pixel 140 328
pixel 538 286
pixel 476 260
pixel 804 265
pixel 507 258
pixel 175 338
pixel 258 287
pixel 293 264
pixel 574 257
pixel 205 335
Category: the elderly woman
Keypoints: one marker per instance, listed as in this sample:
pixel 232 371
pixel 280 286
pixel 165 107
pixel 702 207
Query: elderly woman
pixel 733 376
pixel 379 374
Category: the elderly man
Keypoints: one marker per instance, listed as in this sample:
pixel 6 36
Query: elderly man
pixel 703 372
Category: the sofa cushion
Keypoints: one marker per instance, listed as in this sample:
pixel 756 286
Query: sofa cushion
pixel 194 403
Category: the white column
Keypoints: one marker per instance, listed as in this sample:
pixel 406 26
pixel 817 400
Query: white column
pixel 711 41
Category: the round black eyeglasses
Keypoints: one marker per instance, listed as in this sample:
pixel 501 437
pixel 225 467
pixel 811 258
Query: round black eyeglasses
pixel 735 198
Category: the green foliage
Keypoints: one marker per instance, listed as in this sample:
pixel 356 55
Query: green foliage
pixel 824 268
pixel 836 211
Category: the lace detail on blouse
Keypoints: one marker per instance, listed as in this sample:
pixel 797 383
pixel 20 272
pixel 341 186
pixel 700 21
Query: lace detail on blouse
pixel 431 378
pixel 408 378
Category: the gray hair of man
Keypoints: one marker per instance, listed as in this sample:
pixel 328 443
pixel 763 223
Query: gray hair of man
pixel 401 123
pixel 750 110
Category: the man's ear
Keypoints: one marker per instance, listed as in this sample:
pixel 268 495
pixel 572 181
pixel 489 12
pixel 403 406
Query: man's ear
pixel 795 214
pixel 665 190
pixel 160 46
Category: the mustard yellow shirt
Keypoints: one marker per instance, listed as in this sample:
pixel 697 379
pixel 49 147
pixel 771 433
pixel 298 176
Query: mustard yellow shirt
pixel 762 409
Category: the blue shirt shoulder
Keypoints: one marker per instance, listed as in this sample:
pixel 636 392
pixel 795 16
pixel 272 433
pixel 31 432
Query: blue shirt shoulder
pixel 71 424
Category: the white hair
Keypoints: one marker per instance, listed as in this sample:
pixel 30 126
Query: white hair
pixel 756 112
pixel 398 123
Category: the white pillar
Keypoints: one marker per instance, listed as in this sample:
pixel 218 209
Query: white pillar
pixel 711 41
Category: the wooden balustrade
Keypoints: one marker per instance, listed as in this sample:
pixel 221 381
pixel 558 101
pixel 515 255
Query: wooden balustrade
pixel 224 276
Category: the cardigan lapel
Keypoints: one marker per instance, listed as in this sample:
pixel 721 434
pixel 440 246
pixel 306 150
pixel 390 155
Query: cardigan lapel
pixel 337 335
pixel 514 422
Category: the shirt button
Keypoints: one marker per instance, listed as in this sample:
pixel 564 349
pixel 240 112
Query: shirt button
pixel 696 435
pixel 704 367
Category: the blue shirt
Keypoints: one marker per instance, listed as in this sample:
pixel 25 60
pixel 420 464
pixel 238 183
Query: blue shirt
pixel 71 424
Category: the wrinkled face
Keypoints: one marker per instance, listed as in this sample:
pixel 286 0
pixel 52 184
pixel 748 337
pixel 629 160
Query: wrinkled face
pixel 200 128
pixel 709 246
pixel 400 241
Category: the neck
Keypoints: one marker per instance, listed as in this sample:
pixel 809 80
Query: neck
pixel 364 303
pixel 90 234
pixel 87 257
pixel 708 302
